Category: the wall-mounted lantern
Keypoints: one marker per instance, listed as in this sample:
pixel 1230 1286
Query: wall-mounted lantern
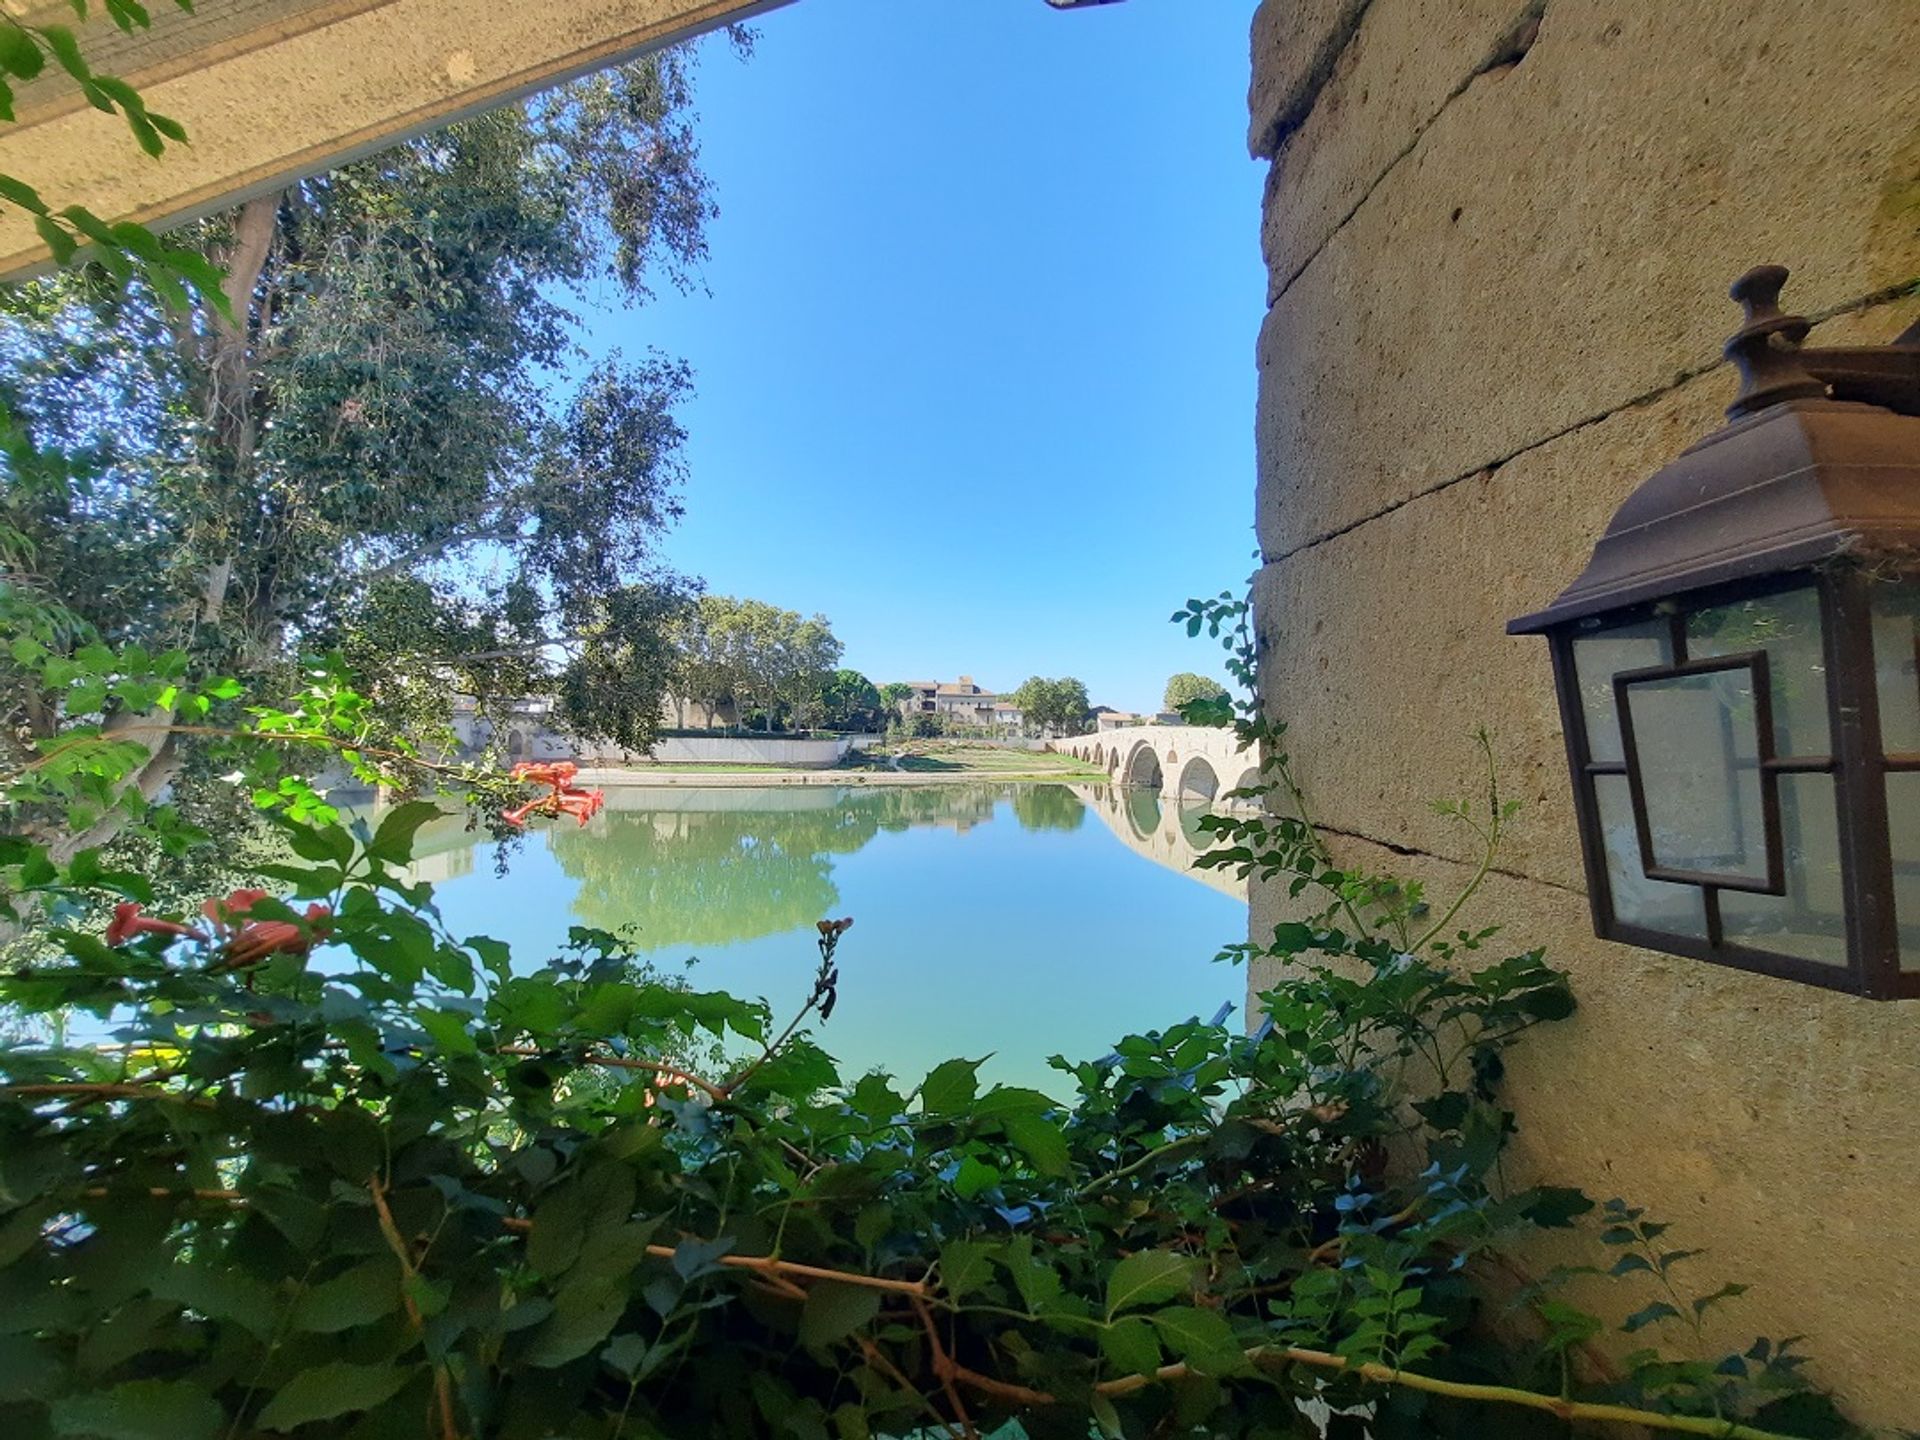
pixel 1738 670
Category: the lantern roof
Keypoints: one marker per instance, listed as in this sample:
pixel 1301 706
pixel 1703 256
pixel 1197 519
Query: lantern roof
pixel 1819 461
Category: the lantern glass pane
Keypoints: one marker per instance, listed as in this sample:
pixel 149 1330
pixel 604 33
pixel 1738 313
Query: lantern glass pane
pixel 1598 656
pixel 1786 626
pixel 1896 634
pixel 1903 829
pixel 1651 904
pixel 1809 921
pixel 1696 744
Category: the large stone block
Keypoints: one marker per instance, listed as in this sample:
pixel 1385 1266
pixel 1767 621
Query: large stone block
pixel 1405 61
pixel 1295 43
pixel 1559 240
pixel 1385 648
pixel 1771 1123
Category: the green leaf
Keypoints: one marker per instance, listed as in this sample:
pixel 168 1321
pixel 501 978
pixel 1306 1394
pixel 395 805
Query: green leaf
pixel 1640 1319
pixel 18 54
pixel 328 843
pixel 974 1176
pixel 834 1310
pixel 57 240
pixel 1202 1338
pixel 1725 1292
pixel 1004 1100
pixel 1107 1418
pixel 1040 1140
pixel 449 1029
pixel 220 1293
pixel 393 841
pixel 367 1292
pixel 139 1410
pixel 66 50
pixel 1148 1278
pixel 338 1388
pixel 584 1313
pixel 950 1087
pixel 965 1265
pixel 1130 1346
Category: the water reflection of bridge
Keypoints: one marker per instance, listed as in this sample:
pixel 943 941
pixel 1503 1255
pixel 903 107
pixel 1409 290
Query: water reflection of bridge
pixel 1165 831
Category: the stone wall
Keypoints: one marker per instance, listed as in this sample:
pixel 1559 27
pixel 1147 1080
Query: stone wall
pixel 1500 235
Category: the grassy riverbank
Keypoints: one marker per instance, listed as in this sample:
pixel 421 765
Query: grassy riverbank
pixel 911 762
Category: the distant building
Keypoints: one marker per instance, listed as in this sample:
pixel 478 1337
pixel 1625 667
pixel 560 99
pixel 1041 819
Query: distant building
pixel 1107 718
pixel 961 702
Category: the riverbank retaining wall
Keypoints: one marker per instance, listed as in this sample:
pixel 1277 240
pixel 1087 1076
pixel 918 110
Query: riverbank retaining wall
pixel 1499 235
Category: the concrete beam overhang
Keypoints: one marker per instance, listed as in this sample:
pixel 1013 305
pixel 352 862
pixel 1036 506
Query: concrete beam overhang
pixel 271 91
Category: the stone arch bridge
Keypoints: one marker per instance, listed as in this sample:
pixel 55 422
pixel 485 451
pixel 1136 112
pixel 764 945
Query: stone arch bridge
pixel 1185 764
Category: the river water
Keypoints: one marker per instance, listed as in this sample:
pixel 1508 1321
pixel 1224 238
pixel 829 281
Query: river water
pixel 1017 921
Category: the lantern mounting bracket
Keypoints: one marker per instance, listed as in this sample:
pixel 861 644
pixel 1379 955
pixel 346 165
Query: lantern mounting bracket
pixel 1775 366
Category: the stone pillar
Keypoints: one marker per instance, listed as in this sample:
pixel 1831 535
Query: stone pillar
pixel 1500 234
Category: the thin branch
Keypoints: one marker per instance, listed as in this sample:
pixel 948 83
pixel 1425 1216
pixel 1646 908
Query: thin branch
pixel 442 1383
pixel 1185 1142
pixel 943 1368
pixel 1272 1355
pixel 772 1266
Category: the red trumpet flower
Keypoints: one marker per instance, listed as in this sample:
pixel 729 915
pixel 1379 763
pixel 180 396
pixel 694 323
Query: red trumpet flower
pixel 128 922
pixel 259 939
pixel 563 797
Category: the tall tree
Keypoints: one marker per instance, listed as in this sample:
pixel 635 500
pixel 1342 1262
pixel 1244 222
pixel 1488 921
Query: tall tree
pixel 849 701
pixel 378 444
pixel 756 656
pixel 1186 687
pixel 1053 707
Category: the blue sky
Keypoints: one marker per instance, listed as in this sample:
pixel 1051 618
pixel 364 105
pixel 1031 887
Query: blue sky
pixel 975 357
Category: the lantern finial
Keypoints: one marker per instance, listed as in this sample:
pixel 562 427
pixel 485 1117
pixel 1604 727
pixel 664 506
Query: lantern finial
pixel 1770 368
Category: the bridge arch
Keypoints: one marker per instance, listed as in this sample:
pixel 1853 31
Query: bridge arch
pixel 1143 766
pixel 1198 781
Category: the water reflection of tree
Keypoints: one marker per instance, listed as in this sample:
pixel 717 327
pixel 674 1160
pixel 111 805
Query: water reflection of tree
pixel 1048 807
pixel 689 875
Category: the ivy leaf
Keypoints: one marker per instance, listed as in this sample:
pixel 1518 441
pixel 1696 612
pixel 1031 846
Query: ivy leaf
pixel 1130 1346
pixel 834 1310
pixel 338 1388
pixel 140 1410
pixel 950 1087
pixel 1147 1278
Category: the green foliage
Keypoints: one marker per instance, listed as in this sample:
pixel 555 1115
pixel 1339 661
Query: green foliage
pixel 849 701
pixel 1186 687
pixel 405 1184
pixel 1053 707
pixel 310 452
pixel 757 658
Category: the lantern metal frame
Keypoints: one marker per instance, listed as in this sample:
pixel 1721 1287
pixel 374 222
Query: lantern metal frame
pixel 1815 483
